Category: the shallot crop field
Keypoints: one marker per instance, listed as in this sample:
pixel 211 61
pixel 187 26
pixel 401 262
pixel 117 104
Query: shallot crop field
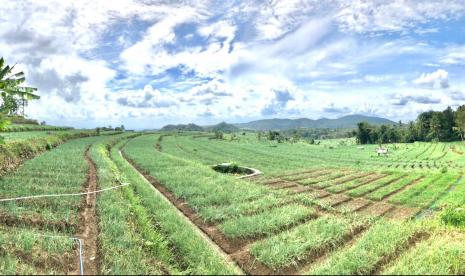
pixel 151 203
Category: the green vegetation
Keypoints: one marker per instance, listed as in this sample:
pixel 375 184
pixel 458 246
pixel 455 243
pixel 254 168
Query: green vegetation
pixel 454 216
pixel 50 173
pixel 197 256
pixel 49 249
pixel 317 209
pixel 442 254
pixel 305 240
pixel 381 241
pixel 266 222
pixel 447 125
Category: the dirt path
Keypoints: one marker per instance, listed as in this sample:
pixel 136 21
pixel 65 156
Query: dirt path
pixel 88 222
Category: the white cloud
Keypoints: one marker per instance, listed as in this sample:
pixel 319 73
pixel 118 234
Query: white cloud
pixel 236 58
pixel 437 79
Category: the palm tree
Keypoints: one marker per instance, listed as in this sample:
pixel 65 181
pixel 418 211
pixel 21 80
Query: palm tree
pixel 10 84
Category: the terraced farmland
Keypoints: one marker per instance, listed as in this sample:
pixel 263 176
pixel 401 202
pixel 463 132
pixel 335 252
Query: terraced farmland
pixel 316 209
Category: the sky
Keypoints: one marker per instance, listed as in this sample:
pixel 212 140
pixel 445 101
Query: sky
pixel 146 63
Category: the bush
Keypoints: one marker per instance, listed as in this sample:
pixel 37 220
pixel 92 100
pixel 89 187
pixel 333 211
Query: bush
pixel 454 216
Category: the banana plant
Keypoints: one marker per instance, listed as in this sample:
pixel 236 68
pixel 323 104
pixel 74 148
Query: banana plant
pixel 10 83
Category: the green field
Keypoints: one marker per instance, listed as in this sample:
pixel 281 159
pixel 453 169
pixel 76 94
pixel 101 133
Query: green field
pixel 332 208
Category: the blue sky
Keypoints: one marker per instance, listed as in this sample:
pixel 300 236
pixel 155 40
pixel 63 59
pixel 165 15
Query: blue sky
pixel 149 63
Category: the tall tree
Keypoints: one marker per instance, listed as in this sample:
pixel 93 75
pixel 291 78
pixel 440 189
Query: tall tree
pixel 448 124
pixel 435 125
pixel 460 120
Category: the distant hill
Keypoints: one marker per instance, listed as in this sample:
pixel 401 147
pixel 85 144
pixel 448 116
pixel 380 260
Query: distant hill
pixel 188 127
pixel 349 121
pixel 223 127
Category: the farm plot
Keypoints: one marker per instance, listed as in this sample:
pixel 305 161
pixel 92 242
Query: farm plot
pixel 175 215
pixel 38 233
pixel 286 223
pixel 53 172
pixel 241 212
pixel 274 158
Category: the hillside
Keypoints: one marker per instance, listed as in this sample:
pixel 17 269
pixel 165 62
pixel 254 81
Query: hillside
pixel 222 127
pixel 181 127
pixel 349 121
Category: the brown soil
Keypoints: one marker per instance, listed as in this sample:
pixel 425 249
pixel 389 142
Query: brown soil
pixel 88 222
pixel 354 205
pixel 158 146
pixel 378 209
pixel 345 179
pixel 35 222
pixel 310 175
pixel 282 185
pixel 403 213
pixel 41 260
pixel 300 189
pixel 334 200
pixel 300 172
pixel 270 181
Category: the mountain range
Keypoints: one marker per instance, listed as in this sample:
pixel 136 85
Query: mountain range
pixel 349 121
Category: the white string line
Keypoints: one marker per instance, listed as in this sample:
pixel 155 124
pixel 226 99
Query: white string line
pixel 58 195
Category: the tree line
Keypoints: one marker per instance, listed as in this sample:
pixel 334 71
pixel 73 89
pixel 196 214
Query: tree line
pixel 446 125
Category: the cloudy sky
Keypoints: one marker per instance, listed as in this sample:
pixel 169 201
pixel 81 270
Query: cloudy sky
pixel 148 63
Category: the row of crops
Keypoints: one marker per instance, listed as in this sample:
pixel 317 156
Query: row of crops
pixel 274 158
pixel 137 233
pixel 175 215
pixel 277 230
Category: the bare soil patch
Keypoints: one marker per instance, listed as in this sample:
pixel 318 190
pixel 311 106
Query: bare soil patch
pixel 378 209
pixel 334 200
pixel 35 222
pixel 403 213
pixel 354 205
pixel 88 221
pixel 282 185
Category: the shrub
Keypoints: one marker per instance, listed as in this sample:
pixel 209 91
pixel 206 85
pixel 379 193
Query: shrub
pixel 454 216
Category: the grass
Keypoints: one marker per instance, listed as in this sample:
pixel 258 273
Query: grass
pixel 351 184
pixel 408 195
pixel 266 222
pixel 307 239
pixel 383 239
pixel 29 251
pixel 454 197
pixel 197 256
pixel 220 213
pixel 365 189
pixel 131 242
pixel 199 185
pixel 53 172
pixel 385 191
pixel 442 254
